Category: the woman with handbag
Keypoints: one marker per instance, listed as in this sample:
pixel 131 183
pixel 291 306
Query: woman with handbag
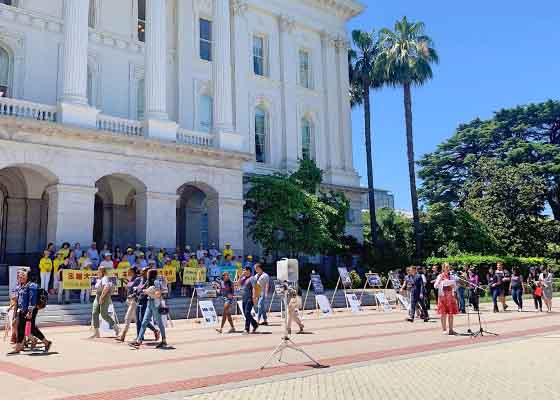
pixel 155 308
pixel 546 280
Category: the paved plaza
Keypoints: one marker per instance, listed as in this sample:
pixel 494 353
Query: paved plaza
pixel 369 355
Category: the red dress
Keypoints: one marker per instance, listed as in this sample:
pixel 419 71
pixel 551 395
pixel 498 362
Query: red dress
pixel 447 304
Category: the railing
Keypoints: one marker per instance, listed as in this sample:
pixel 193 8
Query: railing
pixel 185 136
pixel 27 109
pixel 120 125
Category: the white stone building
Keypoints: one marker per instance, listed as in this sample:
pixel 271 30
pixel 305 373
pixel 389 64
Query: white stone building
pixel 135 121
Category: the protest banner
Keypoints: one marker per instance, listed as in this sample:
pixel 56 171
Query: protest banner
pixel 168 273
pixel 209 315
pixel 345 277
pixel 192 275
pixel 317 284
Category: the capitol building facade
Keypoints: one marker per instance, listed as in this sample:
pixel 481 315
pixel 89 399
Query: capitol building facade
pixel 136 121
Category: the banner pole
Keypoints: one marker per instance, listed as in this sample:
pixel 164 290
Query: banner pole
pixel 335 290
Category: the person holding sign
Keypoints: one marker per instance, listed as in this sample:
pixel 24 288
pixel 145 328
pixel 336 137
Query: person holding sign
pixel 226 291
pixel 102 301
pixel 447 304
pixel 247 284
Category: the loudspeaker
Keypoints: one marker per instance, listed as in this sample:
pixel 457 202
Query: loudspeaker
pixel 287 270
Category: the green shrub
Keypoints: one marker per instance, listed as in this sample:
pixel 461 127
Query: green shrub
pixel 356 280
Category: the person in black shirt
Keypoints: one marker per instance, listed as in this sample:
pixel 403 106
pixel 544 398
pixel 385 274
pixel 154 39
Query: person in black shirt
pixel 431 277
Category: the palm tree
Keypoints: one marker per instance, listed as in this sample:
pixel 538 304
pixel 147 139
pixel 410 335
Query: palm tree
pixel 363 77
pixel 407 54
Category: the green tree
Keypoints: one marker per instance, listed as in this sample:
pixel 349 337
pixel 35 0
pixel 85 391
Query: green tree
pixel 290 216
pixel 406 59
pixel 510 201
pixel 364 77
pixel 521 135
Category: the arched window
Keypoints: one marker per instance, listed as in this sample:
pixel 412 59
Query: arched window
pixel 261 127
pixel 205 118
pixel 306 139
pixel 5 68
pixel 140 100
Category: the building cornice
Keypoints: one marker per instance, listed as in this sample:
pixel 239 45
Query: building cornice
pixel 67 137
pixel 343 8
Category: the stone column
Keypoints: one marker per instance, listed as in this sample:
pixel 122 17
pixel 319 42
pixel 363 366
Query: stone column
pixel 332 133
pixel 157 123
pixel 156 219
pixel 71 213
pixel 345 133
pixel 223 85
pixel 73 107
pixel 243 71
pixel 288 74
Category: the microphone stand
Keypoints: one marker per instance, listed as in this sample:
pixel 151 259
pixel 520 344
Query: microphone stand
pixel 481 331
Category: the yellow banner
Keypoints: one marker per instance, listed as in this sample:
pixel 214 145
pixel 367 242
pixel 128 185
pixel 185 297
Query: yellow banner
pixel 168 273
pixel 81 279
pixel 192 275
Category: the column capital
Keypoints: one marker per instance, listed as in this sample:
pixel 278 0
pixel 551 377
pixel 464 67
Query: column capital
pixel 239 7
pixel 342 43
pixel 287 23
pixel 329 39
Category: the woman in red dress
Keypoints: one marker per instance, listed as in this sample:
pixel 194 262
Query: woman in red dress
pixel 447 303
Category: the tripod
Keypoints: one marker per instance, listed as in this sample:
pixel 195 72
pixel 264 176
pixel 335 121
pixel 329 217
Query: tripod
pixel 481 331
pixel 286 342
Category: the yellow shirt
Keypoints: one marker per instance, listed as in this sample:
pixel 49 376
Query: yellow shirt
pixel 64 252
pixel 176 264
pixel 123 265
pixel 193 263
pixel 82 260
pixel 45 265
pixel 58 261
pixel 228 252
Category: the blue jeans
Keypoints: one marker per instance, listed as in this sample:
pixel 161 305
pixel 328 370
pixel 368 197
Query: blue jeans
pixel 249 320
pixel 151 311
pixel 495 294
pixel 517 295
pixel 461 295
pixel 140 312
pixel 261 307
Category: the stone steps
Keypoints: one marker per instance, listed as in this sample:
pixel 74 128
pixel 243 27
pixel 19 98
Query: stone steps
pixel 80 314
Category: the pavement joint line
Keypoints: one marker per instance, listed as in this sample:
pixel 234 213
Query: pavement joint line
pixel 46 374
pixel 337 368
pixel 183 385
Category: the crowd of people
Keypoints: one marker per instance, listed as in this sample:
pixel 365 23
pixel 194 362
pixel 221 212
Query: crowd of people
pixel 454 290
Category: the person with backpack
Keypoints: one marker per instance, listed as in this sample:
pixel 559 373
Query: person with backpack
pixel 29 300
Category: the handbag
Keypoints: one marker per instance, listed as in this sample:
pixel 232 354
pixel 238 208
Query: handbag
pixel 538 291
pixel 163 309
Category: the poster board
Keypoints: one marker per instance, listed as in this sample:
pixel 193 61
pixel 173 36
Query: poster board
pixel 192 275
pixel 345 278
pixel 324 305
pixel 373 280
pixel 209 315
pixel 205 290
pixel 383 300
pixel 317 284
pixel 354 302
pixel 404 301
pixel 395 281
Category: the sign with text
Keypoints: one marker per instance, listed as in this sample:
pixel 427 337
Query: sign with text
pixel 383 300
pixel 78 279
pixel 324 305
pixel 193 275
pixel 345 277
pixel 317 284
pixel 395 281
pixel 354 302
pixel 168 273
pixel 208 312
pixel 205 290
pixel 373 280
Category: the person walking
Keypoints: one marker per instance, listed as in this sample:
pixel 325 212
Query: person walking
pixel 495 284
pixel 546 279
pixel 417 293
pixel 504 278
pixel 263 286
pixel 226 291
pixel 103 288
pixel 26 312
pixel 247 283
pixel 536 288
pixel 142 303
pixel 447 304
pixel 131 301
pixel 154 291
pixel 462 286
pixel 516 287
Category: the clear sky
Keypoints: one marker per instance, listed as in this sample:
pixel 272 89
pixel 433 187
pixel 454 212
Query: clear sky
pixel 493 54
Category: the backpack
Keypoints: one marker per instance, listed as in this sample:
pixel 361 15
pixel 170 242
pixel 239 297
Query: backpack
pixel 42 298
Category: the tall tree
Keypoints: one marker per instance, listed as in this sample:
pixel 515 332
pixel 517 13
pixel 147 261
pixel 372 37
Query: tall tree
pixel 406 58
pixel 363 77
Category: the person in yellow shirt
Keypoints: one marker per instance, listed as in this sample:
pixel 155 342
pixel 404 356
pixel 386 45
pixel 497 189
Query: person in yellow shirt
pixel 82 260
pixel 176 264
pixel 228 251
pixel 45 269
pixel 161 257
pixel 65 250
pixel 124 264
pixel 193 262
pixel 58 261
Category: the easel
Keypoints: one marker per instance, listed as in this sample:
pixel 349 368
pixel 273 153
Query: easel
pixel 317 309
pixel 192 298
pixel 338 282
pixel 375 287
pixel 396 283
pixel 272 301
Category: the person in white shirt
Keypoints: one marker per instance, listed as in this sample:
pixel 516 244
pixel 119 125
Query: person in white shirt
pixel 263 282
pixel 104 288
pixel 200 252
pixel 107 261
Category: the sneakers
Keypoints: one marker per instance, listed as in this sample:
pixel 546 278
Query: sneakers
pixel 265 323
pixel 48 345
pixel 162 345
pixel 232 330
pixel 410 320
pixel 255 328
pixel 157 335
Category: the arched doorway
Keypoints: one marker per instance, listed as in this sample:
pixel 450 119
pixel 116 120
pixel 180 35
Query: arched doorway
pixel 116 214
pixel 197 215
pixel 24 205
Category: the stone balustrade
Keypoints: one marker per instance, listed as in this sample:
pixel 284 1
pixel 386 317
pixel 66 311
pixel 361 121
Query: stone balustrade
pixel 203 139
pixel 26 109
pixel 120 125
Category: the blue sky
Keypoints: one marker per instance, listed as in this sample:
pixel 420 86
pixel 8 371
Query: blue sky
pixel 493 54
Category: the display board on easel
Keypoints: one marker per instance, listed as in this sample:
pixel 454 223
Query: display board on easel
pixel 209 315
pixel 394 280
pixel 202 291
pixel 343 281
pixel 373 280
pixel 316 284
